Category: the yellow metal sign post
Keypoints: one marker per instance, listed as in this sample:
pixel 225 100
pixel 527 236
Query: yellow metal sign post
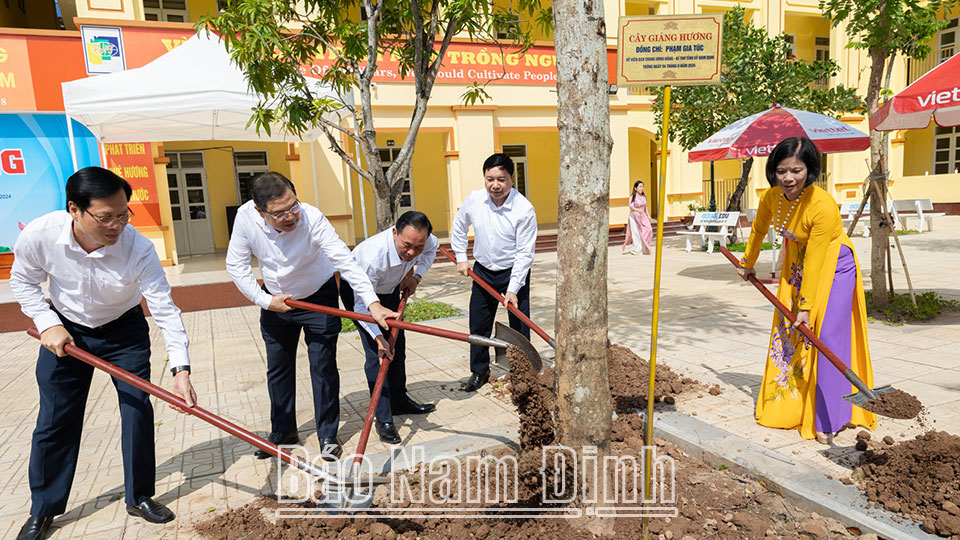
pixel 665 50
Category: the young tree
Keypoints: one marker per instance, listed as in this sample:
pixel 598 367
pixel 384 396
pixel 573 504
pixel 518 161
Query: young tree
pixel 757 71
pixel 275 41
pixel 584 405
pixel 884 28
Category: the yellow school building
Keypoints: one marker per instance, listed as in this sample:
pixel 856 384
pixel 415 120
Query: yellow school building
pixel 199 183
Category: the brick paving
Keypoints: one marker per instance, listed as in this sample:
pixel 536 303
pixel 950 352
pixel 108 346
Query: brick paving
pixel 712 326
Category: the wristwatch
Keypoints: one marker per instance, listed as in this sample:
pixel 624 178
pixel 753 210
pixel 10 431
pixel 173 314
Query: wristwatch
pixel 417 277
pixel 178 369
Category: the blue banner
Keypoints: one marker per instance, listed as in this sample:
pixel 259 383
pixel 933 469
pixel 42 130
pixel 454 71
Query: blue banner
pixel 35 163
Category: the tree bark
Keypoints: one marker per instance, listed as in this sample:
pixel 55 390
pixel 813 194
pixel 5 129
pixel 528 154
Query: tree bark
pixel 584 405
pixel 879 228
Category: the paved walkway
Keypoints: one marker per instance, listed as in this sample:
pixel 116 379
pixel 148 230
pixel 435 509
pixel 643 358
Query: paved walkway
pixel 713 327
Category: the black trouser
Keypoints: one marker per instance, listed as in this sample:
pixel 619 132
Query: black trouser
pixel 395 385
pixel 281 334
pixel 483 310
pixel 64 384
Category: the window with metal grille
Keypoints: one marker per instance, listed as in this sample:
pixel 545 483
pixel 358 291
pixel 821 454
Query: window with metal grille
pixel 166 10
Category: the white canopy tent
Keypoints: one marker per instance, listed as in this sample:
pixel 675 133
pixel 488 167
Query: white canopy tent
pixel 194 92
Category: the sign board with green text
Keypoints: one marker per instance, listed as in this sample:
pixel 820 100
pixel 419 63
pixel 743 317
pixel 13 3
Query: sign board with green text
pixel 676 50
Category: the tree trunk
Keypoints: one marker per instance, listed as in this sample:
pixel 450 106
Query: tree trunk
pixel 584 404
pixel 385 210
pixel 879 228
pixel 733 205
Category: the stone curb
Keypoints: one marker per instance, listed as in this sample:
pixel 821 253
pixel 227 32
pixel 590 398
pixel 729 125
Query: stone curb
pixel 799 483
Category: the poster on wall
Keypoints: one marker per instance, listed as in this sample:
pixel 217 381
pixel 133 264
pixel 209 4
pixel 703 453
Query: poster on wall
pixel 134 163
pixel 103 49
pixel 35 163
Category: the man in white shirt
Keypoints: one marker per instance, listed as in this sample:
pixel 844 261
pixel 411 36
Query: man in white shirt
pixel 395 260
pixel 99 270
pixel 298 251
pixel 505 235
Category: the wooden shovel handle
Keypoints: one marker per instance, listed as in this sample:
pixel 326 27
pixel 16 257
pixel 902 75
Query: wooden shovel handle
pixel 378 387
pixel 493 292
pixel 177 401
pixel 392 323
pixel 804 329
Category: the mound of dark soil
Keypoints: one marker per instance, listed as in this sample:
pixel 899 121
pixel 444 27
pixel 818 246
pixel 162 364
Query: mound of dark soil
pixel 630 381
pixel 895 404
pixel 919 479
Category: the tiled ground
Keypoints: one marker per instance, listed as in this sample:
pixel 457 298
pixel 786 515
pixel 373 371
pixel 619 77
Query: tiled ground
pixel 712 326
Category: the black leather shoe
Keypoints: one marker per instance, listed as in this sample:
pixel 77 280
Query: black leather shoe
pixel 409 406
pixel 151 511
pixel 330 449
pixel 388 432
pixel 277 438
pixel 35 528
pixel 475 381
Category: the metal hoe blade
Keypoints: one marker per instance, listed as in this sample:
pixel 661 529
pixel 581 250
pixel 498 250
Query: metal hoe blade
pixel 860 398
pixel 512 337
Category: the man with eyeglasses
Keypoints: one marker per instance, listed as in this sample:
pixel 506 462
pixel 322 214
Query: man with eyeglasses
pixel 298 252
pixel 99 270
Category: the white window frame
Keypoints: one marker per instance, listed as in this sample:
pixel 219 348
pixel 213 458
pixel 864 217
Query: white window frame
pixel 393 150
pixel 821 48
pixel 953 148
pixel 255 169
pixel 163 13
pixel 791 40
pixel 945 52
pixel 526 167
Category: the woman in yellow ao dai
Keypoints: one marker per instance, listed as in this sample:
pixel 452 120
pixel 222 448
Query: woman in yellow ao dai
pixel 821 282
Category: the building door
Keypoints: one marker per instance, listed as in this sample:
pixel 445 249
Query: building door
pixel 387 155
pixel 518 153
pixel 190 203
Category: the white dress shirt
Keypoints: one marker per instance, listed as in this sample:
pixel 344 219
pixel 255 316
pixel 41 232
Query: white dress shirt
pixel 296 262
pixel 92 289
pixel 504 236
pixel 378 257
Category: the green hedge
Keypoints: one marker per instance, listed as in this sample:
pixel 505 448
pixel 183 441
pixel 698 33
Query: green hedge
pixel 417 310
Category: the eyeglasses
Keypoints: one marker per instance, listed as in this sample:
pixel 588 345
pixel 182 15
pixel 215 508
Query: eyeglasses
pixel 293 210
pixel 110 221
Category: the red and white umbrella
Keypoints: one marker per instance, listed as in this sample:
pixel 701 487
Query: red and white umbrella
pixel 936 93
pixel 758 134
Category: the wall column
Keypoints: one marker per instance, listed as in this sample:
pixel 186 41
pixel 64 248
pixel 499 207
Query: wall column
pixel 475 140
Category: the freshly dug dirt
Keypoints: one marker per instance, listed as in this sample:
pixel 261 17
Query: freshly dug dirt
pixel 710 503
pixel 629 380
pixel 532 393
pixel 919 479
pixel 895 404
